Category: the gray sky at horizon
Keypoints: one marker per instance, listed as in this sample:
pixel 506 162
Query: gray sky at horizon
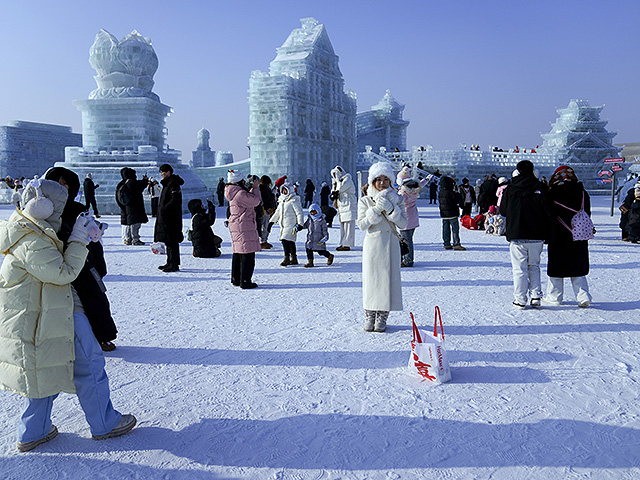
pixel 490 72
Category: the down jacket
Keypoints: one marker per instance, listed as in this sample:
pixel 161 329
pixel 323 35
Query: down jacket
pixel 168 227
pixel 347 203
pixel 36 319
pixel 410 198
pixel 381 282
pixel 288 214
pixel 242 218
pixel 133 212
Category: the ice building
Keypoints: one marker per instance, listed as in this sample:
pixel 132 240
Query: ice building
pixel 203 156
pixel 301 118
pixel 28 148
pixel 382 126
pixel 124 122
pixel 579 136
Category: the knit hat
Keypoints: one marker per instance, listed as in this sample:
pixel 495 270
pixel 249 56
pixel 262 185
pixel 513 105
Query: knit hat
pixel 563 173
pixel 493 209
pixel 525 167
pixel 502 180
pixel 380 169
pixel 403 175
pixel 234 176
pixel 44 200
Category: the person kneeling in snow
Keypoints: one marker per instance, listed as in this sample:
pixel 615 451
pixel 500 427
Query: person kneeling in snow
pixel 205 243
pixel 48 346
pixel 317 235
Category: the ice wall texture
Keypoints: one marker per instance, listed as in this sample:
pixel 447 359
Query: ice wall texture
pixel 382 126
pixel 301 118
pixel 579 135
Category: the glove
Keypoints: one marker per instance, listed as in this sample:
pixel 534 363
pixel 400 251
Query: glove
pixel 80 232
pixel 296 229
pixel 382 205
pixel 323 240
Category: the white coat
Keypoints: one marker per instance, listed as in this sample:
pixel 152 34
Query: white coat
pixel 347 203
pixel 381 282
pixel 288 214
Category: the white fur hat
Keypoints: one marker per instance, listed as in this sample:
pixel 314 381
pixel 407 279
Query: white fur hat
pixel 379 169
pixel 234 176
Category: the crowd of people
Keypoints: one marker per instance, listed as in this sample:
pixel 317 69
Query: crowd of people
pixel 52 244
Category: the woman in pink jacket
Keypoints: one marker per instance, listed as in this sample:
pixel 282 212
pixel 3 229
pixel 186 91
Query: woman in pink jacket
pixel 410 189
pixel 242 227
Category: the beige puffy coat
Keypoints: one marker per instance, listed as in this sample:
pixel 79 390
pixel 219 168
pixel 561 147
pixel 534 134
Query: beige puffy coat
pixel 288 214
pixel 381 281
pixel 36 308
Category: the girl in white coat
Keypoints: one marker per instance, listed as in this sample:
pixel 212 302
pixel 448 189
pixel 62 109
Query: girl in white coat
pixel 344 194
pixel 289 215
pixel 379 213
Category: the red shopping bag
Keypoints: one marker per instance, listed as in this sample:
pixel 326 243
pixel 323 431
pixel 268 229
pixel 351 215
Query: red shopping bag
pixel 428 355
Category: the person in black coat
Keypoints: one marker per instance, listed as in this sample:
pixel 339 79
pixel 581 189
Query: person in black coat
pixel 450 201
pixel 487 196
pixel 90 194
pixel 168 228
pixel 433 192
pixel 327 210
pixel 131 202
pixel 220 192
pixel 469 196
pixel 205 243
pixel 309 190
pixel 527 217
pixel 568 258
pixel 630 220
pixel 88 286
pixel 269 206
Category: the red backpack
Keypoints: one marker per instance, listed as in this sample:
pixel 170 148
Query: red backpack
pixel 468 222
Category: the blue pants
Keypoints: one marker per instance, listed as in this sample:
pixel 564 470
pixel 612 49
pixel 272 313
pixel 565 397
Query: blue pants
pixel 450 226
pixel 407 236
pixel 92 388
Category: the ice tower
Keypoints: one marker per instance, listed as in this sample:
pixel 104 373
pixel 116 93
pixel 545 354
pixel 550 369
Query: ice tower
pixel 301 118
pixel 579 136
pixel 123 121
pixel 382 126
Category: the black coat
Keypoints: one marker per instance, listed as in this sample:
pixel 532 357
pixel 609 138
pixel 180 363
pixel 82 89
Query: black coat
pixel 487 195
pixel 89 189
pixel 205 243
pixel 463 189
pixel 449 199
pixel 632 217
pixel 268 198
pixel 168 228
pixel 88 284
pixel 324 196
pixel 134 212
pixel 525 208
pixel 567 258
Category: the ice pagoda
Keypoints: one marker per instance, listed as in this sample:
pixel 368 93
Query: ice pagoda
pixel 382 126
pixel 124 122
pixel 579 136
pixel 301 118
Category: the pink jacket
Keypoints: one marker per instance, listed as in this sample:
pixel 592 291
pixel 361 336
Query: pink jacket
pixel 410 197
pixel 242 219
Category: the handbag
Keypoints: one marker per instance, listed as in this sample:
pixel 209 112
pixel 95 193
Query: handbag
pixel 404 246
pixel 428 355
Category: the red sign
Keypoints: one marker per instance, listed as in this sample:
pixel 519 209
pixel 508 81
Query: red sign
pixel 606 180
pixel 617 168
pixel 604 172
pixel 614 160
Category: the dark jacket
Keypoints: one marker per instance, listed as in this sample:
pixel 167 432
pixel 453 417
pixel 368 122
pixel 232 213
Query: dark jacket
pixel 308 190
pixel 205 243
pixel 268 198
pixel 133 212
pixel 324 196
pixel 168 228
pixel 466 187
pixel 631 219
pixel 567 258
pixel 525 208
pixel 487 195
pixel 449 198
pixel 89 188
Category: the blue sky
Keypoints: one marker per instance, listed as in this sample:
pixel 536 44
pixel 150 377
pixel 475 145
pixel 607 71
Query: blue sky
pixel 487 72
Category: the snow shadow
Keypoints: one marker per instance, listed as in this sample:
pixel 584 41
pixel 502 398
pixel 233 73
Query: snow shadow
pixel 539 329
pixel 359 442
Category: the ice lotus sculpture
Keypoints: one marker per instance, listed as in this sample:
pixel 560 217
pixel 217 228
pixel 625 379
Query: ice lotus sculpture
pixel 124 68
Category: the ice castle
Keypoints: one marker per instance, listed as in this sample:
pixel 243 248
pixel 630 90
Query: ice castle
pixel 124 122
pixel 382 126
pixel 301 118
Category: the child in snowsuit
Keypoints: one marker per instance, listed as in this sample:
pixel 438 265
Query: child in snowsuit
pixel 289 215
pixel 317 235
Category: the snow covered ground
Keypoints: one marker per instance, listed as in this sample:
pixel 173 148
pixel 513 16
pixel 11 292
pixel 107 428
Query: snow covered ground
pixel 281 382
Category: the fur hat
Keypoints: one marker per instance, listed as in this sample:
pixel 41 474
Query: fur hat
pixel 44 200
pixel 234 176
pixel 403 175
pixel 338 172
pixel 380 169
pixel 502 180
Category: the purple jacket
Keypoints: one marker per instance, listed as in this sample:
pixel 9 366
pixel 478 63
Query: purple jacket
pixel 242 218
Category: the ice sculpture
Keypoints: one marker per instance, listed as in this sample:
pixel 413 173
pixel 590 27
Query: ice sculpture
pixel 203 156
pixel 124 122
pixel 302 120
pixel 382 126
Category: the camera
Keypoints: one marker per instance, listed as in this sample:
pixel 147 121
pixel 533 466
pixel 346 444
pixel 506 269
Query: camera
pixel 96 229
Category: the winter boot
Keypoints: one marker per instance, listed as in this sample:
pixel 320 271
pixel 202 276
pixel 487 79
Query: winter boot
pixel 286 261
pixel 330 259
pixel 294 259
pixel 369 320
pixel 381 321
pixel 309 263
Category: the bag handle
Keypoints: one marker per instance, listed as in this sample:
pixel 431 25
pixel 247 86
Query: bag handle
pixel 569 208
pixel 435 326
pixel 393 227
pixel 416 333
